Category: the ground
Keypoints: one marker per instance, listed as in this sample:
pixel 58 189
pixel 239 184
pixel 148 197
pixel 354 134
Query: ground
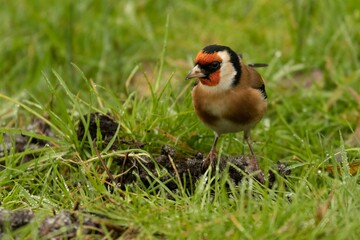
pixel 177 167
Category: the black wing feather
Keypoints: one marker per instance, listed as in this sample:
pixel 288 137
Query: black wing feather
pixel 263 92
pixel 257 65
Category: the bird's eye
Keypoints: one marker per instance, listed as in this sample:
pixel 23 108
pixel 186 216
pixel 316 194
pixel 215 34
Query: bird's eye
pixel 215 65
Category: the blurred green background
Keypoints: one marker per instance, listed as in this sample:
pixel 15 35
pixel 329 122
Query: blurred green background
pixel 107 39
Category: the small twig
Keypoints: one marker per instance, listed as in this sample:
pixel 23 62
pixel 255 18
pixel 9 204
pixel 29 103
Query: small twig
pixel 104 165
pixel 76 206
pixel 93 85
pixel 176 173
pixel 123 168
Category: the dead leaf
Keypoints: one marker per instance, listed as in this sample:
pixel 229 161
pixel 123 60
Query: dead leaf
pixel 322 209
pixel 353 168
pixel 354 138
pixel 355 95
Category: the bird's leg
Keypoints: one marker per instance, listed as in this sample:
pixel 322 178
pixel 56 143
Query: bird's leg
pixel 253 164
pixel 247 139
pixel 210 159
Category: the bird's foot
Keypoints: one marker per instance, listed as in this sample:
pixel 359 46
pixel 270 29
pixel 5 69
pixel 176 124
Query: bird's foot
pixel 253 168
pixel 209 160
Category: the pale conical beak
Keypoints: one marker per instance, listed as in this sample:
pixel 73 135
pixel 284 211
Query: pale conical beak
pixel 195 73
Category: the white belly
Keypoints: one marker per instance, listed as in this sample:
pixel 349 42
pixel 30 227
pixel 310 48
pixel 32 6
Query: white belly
pixel 225 126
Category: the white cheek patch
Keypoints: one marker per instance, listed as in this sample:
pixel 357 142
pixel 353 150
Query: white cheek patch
pixel 224 56
pixel 227 74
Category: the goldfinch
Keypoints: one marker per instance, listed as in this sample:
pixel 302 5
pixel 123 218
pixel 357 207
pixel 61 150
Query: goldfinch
pixel 230 95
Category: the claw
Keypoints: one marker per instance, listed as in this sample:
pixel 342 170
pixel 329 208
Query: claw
pixel 253 167
pixel 209 160
pixel 212 156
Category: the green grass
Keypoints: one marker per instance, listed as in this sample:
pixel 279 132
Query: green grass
pixel 66 59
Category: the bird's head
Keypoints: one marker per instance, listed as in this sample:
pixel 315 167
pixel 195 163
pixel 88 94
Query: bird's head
pixel 217 65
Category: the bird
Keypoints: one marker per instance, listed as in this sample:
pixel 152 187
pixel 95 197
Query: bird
pixel 229 95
